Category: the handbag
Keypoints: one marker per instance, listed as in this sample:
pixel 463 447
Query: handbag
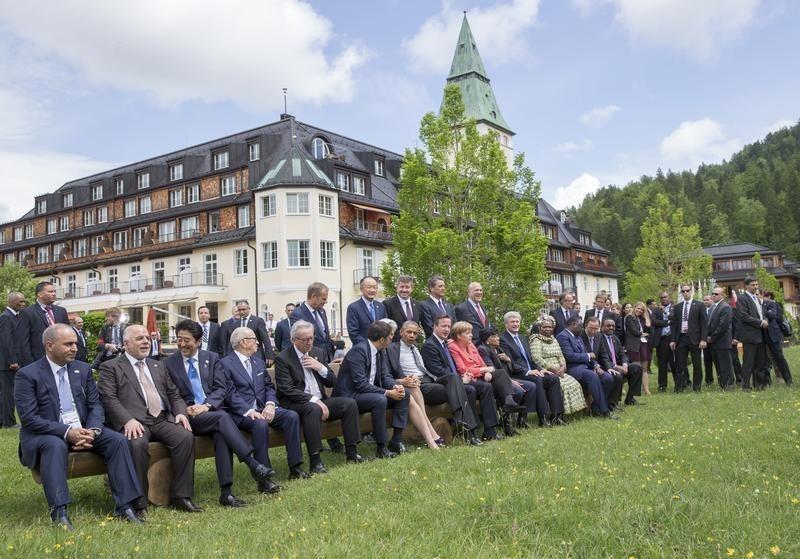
pixel 786 327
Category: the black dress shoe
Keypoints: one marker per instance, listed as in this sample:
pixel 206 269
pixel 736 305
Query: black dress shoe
pixel 508 425
pixel 558 420
pixel 335 445
pixel 297 472
pixel 262 473
pixel 357 459
pixel 269 487
pixel 440 442
pixel 230 501
pixel 397 448
pixel 384 452
pixel 60 518
pixel 544 422
pixel 141 514
pixel 128 515
pixel 522 421
pixel 318 468
pixel 474 441
pixel 185 504
pixel 492 437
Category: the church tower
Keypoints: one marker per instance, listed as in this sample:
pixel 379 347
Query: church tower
pixel 468 72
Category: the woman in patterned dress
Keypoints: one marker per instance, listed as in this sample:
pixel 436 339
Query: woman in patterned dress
pixel 547 352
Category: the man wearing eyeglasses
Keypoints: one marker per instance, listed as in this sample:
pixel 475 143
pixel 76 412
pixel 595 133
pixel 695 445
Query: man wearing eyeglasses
pixel 662 336
pixel 689 333
pixel 720 337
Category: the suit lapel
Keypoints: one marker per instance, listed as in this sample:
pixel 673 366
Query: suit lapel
pixel 158 379
pixel 132 376
pixel 52 388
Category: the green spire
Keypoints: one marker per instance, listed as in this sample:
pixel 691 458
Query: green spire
pixel 468 72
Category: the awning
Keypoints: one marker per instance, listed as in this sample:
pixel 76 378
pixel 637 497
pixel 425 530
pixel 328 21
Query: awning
pixel 369 208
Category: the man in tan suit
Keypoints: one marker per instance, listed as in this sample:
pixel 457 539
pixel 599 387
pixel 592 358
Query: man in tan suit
pixel 142 402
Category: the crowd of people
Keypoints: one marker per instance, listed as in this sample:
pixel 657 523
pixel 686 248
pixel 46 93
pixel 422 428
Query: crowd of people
pixel 406 354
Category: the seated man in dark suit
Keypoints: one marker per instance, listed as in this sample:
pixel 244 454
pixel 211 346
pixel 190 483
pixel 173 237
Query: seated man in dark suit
pixel 365 378
pixel 402 307
pixel 364 311
pixel 614 359
pixel 435 305
pixel 593 341
pixel 60 411
pixel 582 365
pixel 203 385
pixel 472 311
pixel 301 379
pixel 34 319
pixel 283 329
pixel 254 407
pixel 564 312
pixel 210 340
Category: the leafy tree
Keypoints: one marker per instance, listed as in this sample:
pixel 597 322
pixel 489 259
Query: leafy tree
pixel 466 215
pixel 14 277
pixel 671 253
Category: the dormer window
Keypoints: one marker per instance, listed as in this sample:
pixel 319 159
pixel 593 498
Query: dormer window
pixel 143 180
pixel 97 192
pixel 176 172
pixel 379 167
pixel 41 206
pixel 254 150
pixel 320 148
pixel 220 160
pixel 66 200
pixel 563 217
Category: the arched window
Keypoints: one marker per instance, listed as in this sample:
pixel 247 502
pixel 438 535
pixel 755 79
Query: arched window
pixel 320 148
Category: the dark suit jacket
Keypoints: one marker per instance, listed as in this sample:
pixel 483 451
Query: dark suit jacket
pixel 430 311
pixel 561 322
pixel 213 338
pixel 257 325
pixel 435 359
pixel 773 312
pixel 246 393
pixel 598 348
pixel 122 395
pixel 212 377
pixel 749 325
pixel 698 322
pixel 283 338
pixel 606 315
pixel 359 319
pixel 659 319
pixel 9 348
pixel 634 331
pixel 83 351
pixel 575 353
pixel 393 356
pixel 519 368
pixel 491 357
pixel 32 322
pixel 290 380
pixel 39 407
pixel 354 373
pixel 720 326
pixel 395 311
pixel 465 311
pixel 604 354
pixel 322 336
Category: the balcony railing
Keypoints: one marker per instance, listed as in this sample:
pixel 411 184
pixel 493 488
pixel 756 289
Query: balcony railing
pixel 364 272
pixel 372 229
pixel 141 284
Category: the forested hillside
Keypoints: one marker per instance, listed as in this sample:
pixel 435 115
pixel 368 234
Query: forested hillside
pixel 754 197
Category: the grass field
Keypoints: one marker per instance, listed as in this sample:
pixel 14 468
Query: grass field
pixel 707 475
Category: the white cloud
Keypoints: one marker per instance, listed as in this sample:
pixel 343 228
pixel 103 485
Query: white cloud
pixel 184 50
pixel 574 193
pixel 572 147
pixel 599 116
pixel 698 141
pixel 777 125
pixel 498 30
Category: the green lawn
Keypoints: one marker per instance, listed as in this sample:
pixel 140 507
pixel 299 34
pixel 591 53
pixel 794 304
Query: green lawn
pixel 708 475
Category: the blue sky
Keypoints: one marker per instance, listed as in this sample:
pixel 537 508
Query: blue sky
pixel 598 91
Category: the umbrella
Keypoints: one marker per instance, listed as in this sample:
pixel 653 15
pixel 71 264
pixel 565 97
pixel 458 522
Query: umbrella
pixel 151 321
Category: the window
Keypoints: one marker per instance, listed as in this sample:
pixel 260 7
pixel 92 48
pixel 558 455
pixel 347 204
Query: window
pixel 95 244
pixel 366 262
pixel 58 250
pixel 23 254
pixel 176 172
pixel 220 160
pixel 184 263
pixel 240 262
pixel 342 181
pixel 361 222
pixel 166 231
pixel 270 253
pixel 297 203
pixel 102 214
pixel 243 216
pixel 63 223
pixel 176 197
pixel 379 167
pixel 79 248
pixel 18 233
pixel 138 236
pixel 213 222
pixel 555 255
pixel 41 206
pixel 113 279
pixel 120 240
pixel 210 261
pixel 119 185
pixel 326 254
pixel 254 149
pixel 8 258
pixel 268 206
pixel 143 180
pixel 326 205
pixel 67 200
pixel 192 193
pixel 29 231
pixel 97 192
pixel 51 226
pixel 189 226
pixel 158 274
pixel 136 270
pixel 130 208
pixel 358 185
pixel 2 237
pixel 437 206
pixel 72 284
pixel 320 148
pixel 569 282
pixel 88 218
pixel 228 185
pixel 298 254
pixel 584 239
pixel 42 255
pixel 144 205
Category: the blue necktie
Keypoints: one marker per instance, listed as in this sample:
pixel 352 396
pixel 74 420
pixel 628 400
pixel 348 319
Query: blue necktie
pixel 64 391
pixel 372 311
pixel 522 350
pixel 449 359
pixel 197 385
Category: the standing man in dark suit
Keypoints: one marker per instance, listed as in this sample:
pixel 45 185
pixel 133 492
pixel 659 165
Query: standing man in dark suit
pixel 143 403
pixel 364 311
pixel 203 385
pixel 614 359
pixel 599 311
pixel 77 327
pixel 109 341
pixel 401 307
pixel 752 325
pixel 472 311
pixel 313 311
pixel 720 337
pixel 283 330
pixel 365 378
pixel 661 318
pixel 564 312
pixel 246 320
pixel 689 333
pixel 774 336
pixel 435 305
pixel 60 411
pixel 301 380
pixel 9 357
pixel 708 361
pixel 34 319
pixel 210 340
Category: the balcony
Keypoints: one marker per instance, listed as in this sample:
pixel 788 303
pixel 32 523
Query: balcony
pixel 141 284
pixel 378 230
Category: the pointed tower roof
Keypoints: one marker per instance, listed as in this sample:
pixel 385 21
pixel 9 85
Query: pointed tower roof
pixel 468 72
pixel 294 168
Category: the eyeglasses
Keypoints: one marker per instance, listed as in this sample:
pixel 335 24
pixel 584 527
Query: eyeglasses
pixel 686 290
pixel 249 338
pixel 308 339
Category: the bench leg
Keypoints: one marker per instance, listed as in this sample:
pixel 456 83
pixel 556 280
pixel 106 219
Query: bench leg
pixel 159 477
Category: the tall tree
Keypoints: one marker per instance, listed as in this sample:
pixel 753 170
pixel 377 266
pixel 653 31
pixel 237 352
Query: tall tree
pixel 468 216
pixel 14 277
pixel 671 253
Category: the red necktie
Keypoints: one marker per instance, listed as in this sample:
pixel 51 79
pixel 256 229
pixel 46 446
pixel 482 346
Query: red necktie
pixel 50 318
pixel 480 314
